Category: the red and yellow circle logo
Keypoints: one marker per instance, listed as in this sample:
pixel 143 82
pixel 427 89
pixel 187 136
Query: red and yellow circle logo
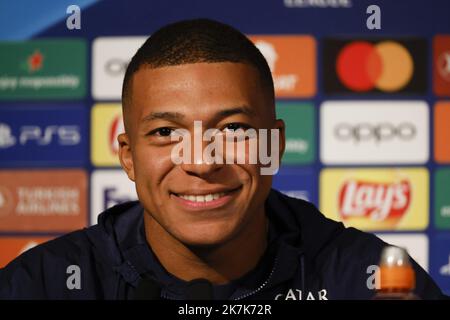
pixel 363 66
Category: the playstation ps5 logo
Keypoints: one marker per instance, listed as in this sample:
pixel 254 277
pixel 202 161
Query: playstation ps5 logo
pixel 6 138
pixel 62 135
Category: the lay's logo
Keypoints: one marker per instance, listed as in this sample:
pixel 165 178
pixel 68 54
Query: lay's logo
pixel 106 125
pixel 376 201
pixel 116 127
pixel 376 198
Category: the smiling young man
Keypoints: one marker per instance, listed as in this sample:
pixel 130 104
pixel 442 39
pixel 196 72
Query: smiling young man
pixel 202 229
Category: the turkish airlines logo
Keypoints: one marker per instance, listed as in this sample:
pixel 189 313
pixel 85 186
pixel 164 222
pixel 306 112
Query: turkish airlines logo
pixel 367 65
pixel 6 201
pixel 377 133
pixel 42 200
pixel 375 201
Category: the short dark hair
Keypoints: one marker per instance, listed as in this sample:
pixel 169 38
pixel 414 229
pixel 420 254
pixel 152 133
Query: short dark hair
pixel 193 41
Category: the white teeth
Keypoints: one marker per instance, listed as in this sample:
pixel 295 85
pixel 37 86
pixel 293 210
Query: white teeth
pixel 203 198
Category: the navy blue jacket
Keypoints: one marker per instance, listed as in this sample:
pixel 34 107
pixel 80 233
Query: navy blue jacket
pixel 309 257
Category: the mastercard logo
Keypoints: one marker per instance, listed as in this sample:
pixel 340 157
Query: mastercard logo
pixel 363 66
pixel 381 66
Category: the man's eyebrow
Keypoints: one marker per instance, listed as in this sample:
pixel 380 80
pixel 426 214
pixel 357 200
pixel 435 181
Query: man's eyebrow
pixel 237 110
pixel 166 115
pixel 174 116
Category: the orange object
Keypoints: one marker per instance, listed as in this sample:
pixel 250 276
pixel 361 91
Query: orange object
pixel 43 200
pixel 292 61
pixel 442 132
pixel 396 275
pixel 11 247
pixel 441 65
pixel 393 278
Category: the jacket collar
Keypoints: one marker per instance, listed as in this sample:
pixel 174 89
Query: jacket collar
pixel 125 224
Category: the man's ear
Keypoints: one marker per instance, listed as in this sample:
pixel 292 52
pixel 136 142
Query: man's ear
pixel 125 155
pixel 279 124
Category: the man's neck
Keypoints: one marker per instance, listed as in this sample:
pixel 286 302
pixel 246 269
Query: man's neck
pixel 219 264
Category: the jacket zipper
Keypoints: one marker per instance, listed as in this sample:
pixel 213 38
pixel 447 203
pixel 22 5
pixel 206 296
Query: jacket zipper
pixel 262 285
pixel 164 296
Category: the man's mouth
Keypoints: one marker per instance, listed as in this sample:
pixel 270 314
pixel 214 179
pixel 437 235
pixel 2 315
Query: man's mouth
pixel 205 199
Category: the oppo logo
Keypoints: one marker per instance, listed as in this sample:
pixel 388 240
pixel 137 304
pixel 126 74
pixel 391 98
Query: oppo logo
pixel 116 67
pixel 380 132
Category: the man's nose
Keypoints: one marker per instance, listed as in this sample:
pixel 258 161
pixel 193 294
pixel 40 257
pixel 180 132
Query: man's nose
pixel 202 163
pixel 201 170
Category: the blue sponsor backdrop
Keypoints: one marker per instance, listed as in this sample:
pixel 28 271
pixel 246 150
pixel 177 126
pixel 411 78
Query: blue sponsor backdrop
pixel 28 19
pixel 440 260
pixel 44 135
pixel 298 182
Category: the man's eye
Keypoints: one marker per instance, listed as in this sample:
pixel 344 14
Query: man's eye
pixel 162 132
pixel 236 126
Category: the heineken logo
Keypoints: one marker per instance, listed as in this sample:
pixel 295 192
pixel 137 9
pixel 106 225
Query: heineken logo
pixel 35 61
pixel 43 69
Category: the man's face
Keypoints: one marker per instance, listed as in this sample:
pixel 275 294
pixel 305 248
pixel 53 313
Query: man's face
pixel 198 204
